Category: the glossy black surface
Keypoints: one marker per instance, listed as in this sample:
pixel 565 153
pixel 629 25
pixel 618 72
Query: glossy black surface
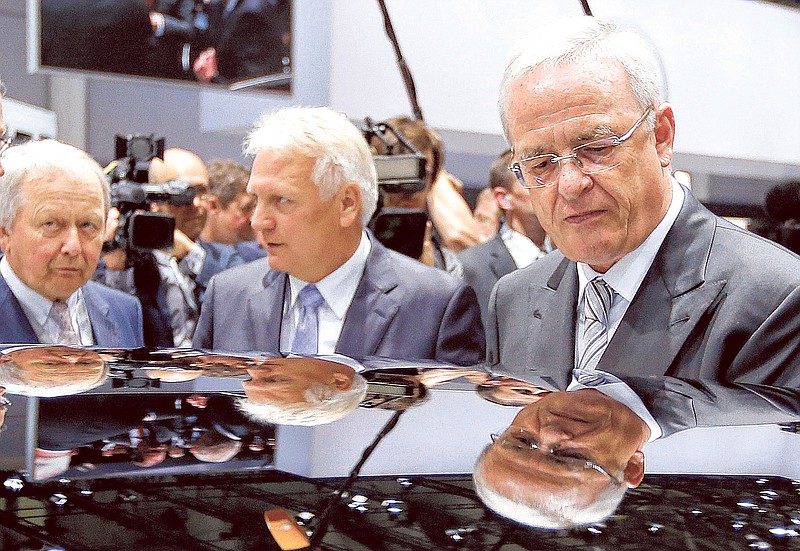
pixel 725 485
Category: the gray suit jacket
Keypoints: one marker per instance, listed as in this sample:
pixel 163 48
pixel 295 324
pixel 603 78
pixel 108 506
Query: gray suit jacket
pixel 401 309
pixel 484 265
pixel 718 303
pixel 116 317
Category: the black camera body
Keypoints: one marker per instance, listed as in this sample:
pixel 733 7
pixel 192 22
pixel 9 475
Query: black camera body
pixel 399 229
pixel 139 229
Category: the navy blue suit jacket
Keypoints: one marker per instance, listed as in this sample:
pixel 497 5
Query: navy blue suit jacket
pixel 116 317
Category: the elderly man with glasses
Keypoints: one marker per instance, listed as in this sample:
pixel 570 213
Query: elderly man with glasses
pixel 646 281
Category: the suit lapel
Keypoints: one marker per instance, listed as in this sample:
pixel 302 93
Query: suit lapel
pixel 15 327
pixel 103 329
pixel 551 346
pixel 265 312
pixel 671 301
pixel 501 262
pixel 372 309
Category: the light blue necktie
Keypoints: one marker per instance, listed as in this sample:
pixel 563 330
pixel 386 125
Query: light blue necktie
pixel 597 297
pixel 307 331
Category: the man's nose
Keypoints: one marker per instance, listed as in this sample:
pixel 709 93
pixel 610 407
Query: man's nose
pixel 553 433
pixel 572 182
pixel 72 242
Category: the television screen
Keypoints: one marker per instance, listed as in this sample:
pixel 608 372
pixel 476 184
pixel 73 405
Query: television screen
pixel 239 44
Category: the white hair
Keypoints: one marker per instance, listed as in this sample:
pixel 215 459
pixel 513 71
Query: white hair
pixel 21 162
pixel 323 405
pixel 340 152
pixel 547 510
pixel 574 39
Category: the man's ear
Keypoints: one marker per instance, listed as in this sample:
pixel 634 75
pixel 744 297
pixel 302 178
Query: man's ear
pixel 665 133
pixel 349 198
pixel 501 197
pixel 342 381
pixel 4 237
pixel 634 470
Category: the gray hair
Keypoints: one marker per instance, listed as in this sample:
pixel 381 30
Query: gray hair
pixel 340 152
pixel 553 511
pixel 588 39
pixel 2 89
pixel 323 405
pixel 21 162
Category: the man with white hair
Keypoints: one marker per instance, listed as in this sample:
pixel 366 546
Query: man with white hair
pixel 54 200
pixel 327 285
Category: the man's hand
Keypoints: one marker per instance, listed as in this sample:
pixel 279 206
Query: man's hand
pixel 205 66
pixel 182 245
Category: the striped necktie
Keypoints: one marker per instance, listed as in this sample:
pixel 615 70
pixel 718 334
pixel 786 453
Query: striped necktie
pixel 307 331
pixel 597 297
pixel 66 334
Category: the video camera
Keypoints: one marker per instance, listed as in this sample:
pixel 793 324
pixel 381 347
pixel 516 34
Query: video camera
pixel 131 194
pixel 401 169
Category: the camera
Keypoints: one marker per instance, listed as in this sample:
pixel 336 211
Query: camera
pixel 401 168
pixel 131 194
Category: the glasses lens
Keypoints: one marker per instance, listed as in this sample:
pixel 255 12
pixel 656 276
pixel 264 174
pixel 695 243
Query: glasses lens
pixel 597 156
pixel 539 170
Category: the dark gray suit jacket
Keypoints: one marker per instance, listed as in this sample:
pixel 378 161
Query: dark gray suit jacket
pixel 484 265
pixel 718 303
pixel 401 309
pixel 116 317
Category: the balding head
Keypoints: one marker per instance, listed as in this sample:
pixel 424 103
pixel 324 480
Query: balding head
pixel 179 164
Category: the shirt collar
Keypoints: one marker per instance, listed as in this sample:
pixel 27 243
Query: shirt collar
pixel 627 274
pixel 33 303
pixel 338 287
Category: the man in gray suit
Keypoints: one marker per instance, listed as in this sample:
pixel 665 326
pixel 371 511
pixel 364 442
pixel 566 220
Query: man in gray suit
pixel 646 280
pixel 327 285
pixel 54 200
pixel 520 241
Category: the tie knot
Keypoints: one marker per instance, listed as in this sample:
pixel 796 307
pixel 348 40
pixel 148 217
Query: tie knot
pixel 310 297
pixel 598 299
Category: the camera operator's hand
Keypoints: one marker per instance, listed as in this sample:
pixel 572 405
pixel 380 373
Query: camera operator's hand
pixel 182 245
pixel 112 224
pixel 451 214
pixel 205 66
pixel 427 257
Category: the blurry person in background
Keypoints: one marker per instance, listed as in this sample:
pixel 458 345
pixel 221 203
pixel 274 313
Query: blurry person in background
pixel 228 207
pixel 54 200
pixel 452 227
pixel 486 214
pixel 518 243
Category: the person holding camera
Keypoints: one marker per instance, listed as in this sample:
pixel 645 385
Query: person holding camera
pixel 451 226
pixel 327 285
pixel 54 200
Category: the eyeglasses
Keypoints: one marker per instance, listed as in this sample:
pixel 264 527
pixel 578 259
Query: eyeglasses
pixel 5 143
pixel 521 441
pixel 594 157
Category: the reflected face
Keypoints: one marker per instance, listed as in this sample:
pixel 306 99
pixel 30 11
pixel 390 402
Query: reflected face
pixel 56 363
pixel 55 241
pixel 233 221
pixel 509 391
pixel 3 408
pixel 595 218
pixel 285 380
pixel 306 236
pixel 568 429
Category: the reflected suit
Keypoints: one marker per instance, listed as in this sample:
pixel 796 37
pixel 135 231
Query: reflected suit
pixel 718 303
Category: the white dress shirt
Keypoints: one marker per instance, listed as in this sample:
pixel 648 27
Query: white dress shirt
pixel 523 251
pixel 338 289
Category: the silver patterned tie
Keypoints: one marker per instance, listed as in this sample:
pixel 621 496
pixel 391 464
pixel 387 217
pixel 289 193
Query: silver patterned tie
pixel 66 334
pixel 307 331
pixel 598 297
